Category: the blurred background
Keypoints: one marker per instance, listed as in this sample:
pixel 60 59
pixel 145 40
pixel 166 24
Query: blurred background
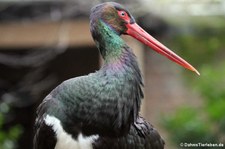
pixel 43 42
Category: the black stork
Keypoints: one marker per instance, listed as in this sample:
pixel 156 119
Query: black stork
pixel 101 110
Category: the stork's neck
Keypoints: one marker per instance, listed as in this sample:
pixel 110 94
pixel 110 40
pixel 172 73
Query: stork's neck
pixel 108 41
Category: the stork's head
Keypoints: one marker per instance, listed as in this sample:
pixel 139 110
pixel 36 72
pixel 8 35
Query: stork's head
pixel 121 21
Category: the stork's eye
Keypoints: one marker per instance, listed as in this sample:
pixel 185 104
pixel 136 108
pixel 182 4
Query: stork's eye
pixel 122 13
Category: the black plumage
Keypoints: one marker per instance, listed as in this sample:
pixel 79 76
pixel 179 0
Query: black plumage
pixel 104 105
pixel 142 135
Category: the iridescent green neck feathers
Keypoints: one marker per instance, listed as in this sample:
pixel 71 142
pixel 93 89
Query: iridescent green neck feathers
pixel 109 43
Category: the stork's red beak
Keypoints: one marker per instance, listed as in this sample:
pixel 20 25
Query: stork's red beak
pixel 137 32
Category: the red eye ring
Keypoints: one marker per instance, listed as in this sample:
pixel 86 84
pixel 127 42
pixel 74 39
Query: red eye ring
pixel 123 15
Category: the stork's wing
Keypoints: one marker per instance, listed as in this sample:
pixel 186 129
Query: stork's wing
pixel 142 135
pixel 44 137
pixel 148 134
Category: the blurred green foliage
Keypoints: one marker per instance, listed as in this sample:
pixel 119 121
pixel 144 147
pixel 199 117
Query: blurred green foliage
pixel 204 47
pixel 188 126
pixel 8 138
pixel 212 88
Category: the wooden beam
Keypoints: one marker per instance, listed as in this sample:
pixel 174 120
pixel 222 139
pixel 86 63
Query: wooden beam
pixel 33 34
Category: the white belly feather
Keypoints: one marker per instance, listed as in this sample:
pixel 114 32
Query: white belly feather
pixel 65 140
